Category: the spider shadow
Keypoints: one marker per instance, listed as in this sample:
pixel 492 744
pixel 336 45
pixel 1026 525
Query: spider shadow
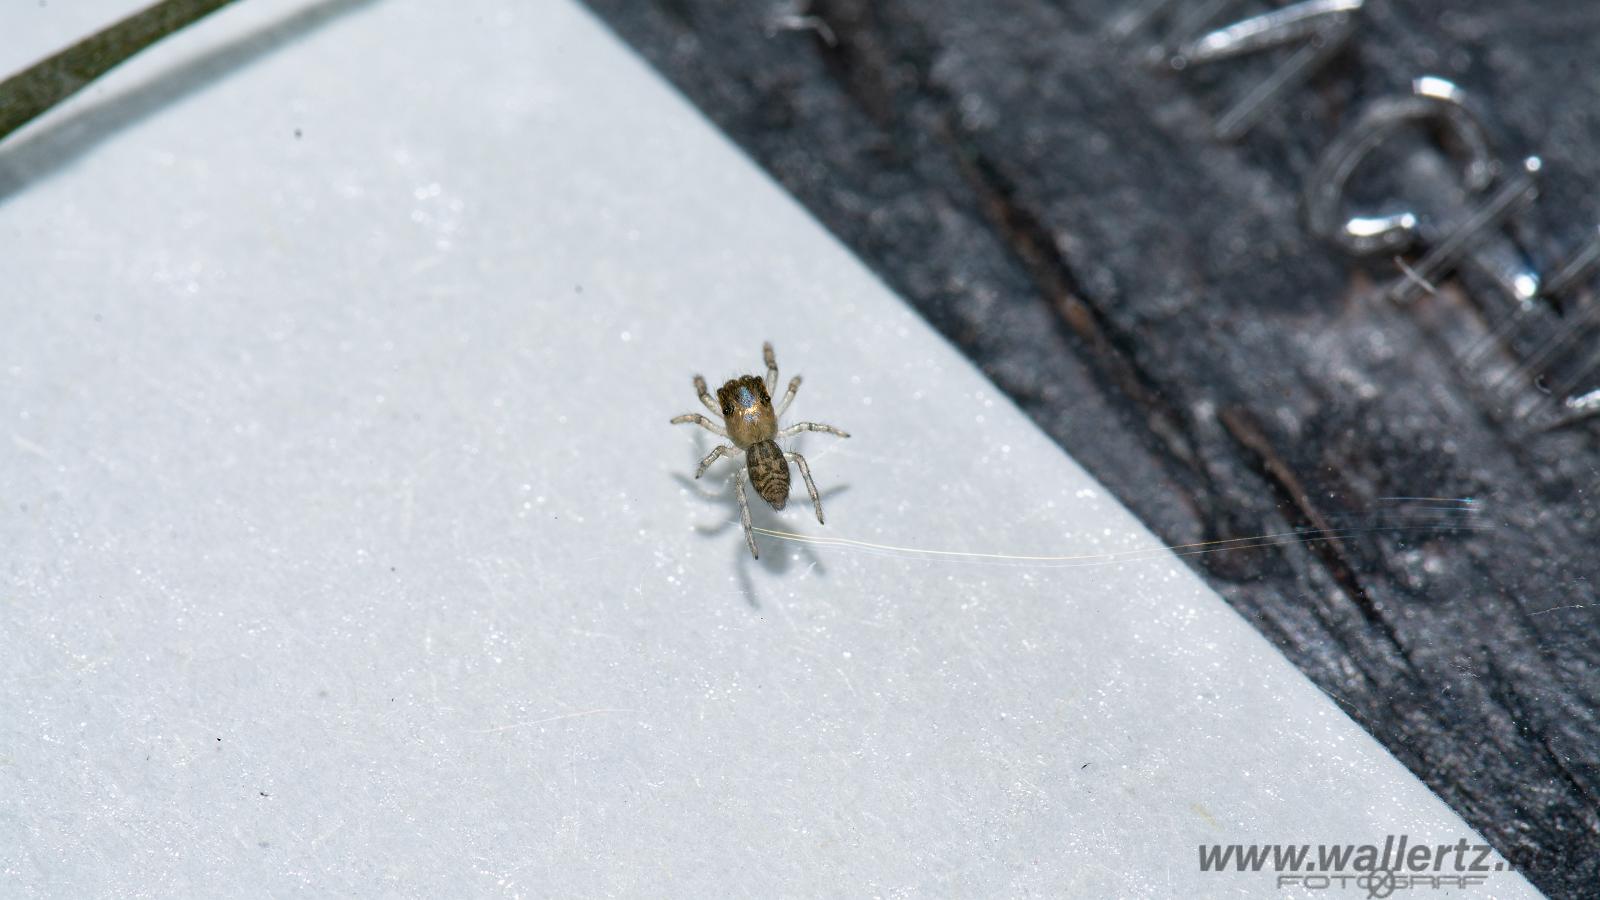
pixel 776 559
pixel 56 145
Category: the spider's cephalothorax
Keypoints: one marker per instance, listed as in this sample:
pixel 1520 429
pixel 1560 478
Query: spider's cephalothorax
pixel 751 423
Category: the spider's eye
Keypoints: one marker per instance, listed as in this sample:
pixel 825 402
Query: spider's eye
pixel 727 410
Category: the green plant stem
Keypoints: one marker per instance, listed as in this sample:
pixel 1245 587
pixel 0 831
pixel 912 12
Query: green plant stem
pixel 29 93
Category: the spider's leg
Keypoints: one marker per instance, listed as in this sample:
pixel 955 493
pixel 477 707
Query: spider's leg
pixel 700 420
pixel 744 512
pixel 705 396
pixel 805 472
pixel 788 398
pixel 798 427
pixel 713 456
pixel 772 367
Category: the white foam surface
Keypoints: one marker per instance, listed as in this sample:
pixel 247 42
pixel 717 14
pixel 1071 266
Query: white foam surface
pixel 345 547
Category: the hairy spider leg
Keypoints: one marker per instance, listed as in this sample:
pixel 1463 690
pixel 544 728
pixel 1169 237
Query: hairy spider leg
pixel 798 427
pixel 788 398
pixel 744 512
pixel 713 456
pixel 772 367
pixel 700 420
pixel 705 395
pixel 805 472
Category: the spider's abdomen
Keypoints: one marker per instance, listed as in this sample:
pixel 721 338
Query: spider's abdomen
pixel 769 472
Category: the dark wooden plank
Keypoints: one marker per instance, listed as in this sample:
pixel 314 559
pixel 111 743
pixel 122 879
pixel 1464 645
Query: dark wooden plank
pixel 1152 298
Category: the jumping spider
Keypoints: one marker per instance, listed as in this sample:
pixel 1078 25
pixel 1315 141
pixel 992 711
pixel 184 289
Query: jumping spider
pixel 745 405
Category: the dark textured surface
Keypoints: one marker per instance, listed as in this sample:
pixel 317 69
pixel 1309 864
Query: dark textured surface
pixel 1150 297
